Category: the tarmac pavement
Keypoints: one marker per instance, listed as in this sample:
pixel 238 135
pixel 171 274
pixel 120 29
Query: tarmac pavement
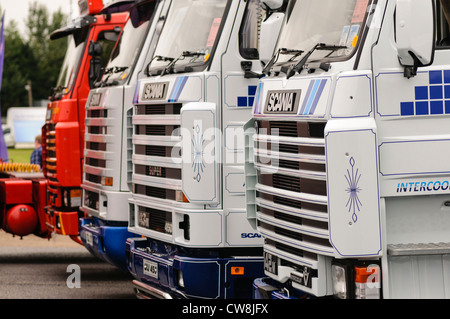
pixel 59 268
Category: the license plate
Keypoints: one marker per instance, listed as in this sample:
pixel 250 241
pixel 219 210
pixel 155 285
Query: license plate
pixel 89 239
pixel 304 277
pixel 270 263
pixel 143 219
pixel 150 269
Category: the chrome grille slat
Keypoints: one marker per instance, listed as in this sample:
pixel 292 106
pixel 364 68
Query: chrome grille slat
pixel 156 161
pixel 318 249
pixel 303 141
pixel 291 204
pixel 305 197
pixel 306 213
pixel 156 119
pixel 268 169
pixel 307 158
pixel 291 226
pixel 155 149
pixel 98 157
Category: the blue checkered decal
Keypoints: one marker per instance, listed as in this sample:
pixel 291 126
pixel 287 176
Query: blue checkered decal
pixel 247 101
pixel 431 99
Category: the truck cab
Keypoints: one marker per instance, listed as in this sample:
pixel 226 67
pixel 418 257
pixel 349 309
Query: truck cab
pixel 106 176
pixel 91 37
pixel 187 174
pixel 347 176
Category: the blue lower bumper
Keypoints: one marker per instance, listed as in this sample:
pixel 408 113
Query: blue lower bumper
pixel 267 288
pixel 105 241
pixel 181 275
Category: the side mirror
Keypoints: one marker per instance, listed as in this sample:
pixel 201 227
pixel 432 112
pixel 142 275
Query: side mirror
pixel 270 29
pixel 415 34
pixel 95 68
pixel 95 48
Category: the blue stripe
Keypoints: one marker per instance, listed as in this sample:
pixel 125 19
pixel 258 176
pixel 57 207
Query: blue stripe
pixel 318 95
pixel 308 92
pixel 136 93
pixel 178 87
pixel 173 90
pixel 311 97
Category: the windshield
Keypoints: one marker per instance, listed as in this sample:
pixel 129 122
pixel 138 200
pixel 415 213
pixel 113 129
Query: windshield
pixel 130 43
pixel 192 26
pixel 334 23
pixel 70 66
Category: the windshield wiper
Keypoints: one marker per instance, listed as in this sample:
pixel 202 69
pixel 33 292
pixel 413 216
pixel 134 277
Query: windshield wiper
pixel 319 46
pixel 115 69
pixel 56 92
pixel 274 58
pixel 169 68
pixel 107 73
pixel 157 58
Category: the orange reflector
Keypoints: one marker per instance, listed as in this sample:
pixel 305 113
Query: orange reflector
pixel 180 197
pixel 362 274
pixel 108 181
pixel 237 270
pixel 75 193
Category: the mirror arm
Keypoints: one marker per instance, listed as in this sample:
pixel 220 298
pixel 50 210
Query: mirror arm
pixel 411 70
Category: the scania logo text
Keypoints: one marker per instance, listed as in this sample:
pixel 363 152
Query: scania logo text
pixel 282 101
pixel 154 91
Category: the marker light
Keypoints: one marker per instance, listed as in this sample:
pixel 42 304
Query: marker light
pixel 107 181
pixel 237 270
pixel 367 282
pixel 180 197
pixel 355 281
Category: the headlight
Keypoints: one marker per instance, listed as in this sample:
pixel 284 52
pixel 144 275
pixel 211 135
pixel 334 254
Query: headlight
pixel 339 275
pixel 360 281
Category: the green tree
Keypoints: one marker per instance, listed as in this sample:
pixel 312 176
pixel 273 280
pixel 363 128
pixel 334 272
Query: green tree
pixel 18 64
pixel 48 54
pixel 33 57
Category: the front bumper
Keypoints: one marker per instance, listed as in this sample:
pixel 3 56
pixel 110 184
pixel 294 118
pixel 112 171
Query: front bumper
pixel 62 223
pixel 267 288
pixel 105 241
pixel 162 268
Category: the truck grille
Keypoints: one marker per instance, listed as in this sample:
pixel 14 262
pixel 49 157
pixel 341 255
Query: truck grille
pixel 49 161
pixel 96 146
pixel 291 191
pixel 155 219
pixel 156 171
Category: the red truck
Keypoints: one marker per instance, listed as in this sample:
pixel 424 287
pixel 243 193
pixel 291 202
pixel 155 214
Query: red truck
pixel 45 202
pixel 91 38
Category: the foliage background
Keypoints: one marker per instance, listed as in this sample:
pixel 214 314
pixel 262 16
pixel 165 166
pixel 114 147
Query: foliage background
pixel 31 57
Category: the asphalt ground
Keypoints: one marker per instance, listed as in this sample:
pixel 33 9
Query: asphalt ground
pixel 59 268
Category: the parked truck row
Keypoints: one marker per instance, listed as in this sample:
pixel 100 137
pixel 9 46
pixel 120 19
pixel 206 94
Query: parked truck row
pixel 253 149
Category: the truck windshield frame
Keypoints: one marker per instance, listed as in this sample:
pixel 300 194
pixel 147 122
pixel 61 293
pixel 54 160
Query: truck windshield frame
pixel 70 66
pixel 191 26
pixel 129 45
pixel 338 23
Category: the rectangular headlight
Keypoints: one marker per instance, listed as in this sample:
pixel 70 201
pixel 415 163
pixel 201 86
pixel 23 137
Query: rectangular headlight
pixel 340 280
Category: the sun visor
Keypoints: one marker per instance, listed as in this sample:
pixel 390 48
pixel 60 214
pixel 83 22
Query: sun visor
pixel 118 6
pixel 72 27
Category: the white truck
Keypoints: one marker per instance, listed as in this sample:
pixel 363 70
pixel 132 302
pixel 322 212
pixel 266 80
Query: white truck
pixel 188 200
pixel 105 178
pixel 347 169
